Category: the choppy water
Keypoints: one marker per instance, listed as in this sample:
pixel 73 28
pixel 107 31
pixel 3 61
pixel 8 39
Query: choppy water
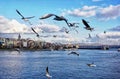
pixel 32 64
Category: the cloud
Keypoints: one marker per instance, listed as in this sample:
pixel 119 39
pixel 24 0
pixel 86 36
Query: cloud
pixel 86 11
pixel 48 28
pixel 12 26
pixel 109 38
pixel 117 28
pixel 102 13
pixel 110 12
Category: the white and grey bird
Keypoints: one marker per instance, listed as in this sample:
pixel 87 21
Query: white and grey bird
pixel 74 53
pixel 87 26
pixel 73 25
pixel 91 65
pixel 47 73
pixel 25 18
pixel 17 49
pixel 104 32
pixel 35 32
pixel 56 17
pixel 89 36
pixel 65 30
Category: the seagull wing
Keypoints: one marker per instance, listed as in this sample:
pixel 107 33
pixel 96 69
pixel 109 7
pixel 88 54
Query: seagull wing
pixel 17 49
pixel 67 23
pixel 19 13
pixel 34 31
pixel 46 16
pixel 75 24
pixel 76 31
pixel 89 36
pixel 69 53
pixel 29 17
pixel 47 72
pixel 85 23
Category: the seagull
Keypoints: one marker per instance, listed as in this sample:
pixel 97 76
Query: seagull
pixel 87 26
pixel 75 53
pixel 73 25
pixel 47 73
pixel 17 49
pixel 54 35
pixel 57 18
pixel 104 32
pixel 64 29
pixel 97 36
pixel 25 18
pixel 89 36
pixel 35 32
pixel 91 65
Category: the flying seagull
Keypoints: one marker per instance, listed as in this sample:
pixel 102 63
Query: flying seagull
pixel 73 25
pixel 35 32
pixel 104 32
pixel 55 36
pixel 87 27
pixel 89 36
pixel 64 29
pixel 47 73
pixel 91 65
pixel 74 53
pixel 57 18
pixel 25 18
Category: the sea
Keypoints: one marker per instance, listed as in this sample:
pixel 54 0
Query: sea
pixel 32 64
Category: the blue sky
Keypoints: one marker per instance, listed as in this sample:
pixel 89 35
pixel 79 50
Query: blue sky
pixel 101 14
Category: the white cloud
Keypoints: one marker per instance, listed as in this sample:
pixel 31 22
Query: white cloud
pixel 12 26
pixel 102 13
pixel 48 28
pixel 88 8
pixel 109 38
pixel 86 11
pixel 117 28
pixel 110 12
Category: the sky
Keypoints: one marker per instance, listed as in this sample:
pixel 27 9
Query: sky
pixel 102 15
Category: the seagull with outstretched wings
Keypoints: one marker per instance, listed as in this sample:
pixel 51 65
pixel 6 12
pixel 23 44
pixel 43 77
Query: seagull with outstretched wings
pixel 25 18
pixel 57 18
